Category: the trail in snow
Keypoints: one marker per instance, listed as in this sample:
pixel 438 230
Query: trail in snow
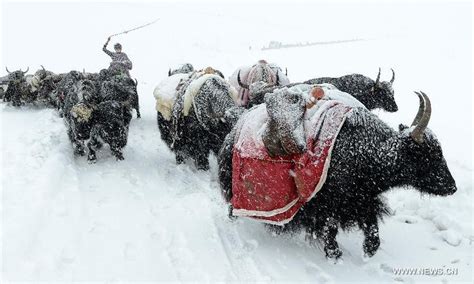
pixel 147 219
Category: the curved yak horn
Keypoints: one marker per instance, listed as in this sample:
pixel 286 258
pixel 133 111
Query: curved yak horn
pixel 136 82
pixel 378 77
pixel 7 70
pixel 286 71
pixel 27 69
pixel 421 109
pixel 417 133
pixel 393 76
pixel 242 85
pixel 169 72
pixel 43 67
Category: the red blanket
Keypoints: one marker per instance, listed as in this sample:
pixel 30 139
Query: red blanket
pixel 272 190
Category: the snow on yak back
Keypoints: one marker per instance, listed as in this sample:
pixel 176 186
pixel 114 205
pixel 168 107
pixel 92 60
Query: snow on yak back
pixel 373 94
pixel 365 159
pixel 243 78
pixel 165 94
pixel 203 111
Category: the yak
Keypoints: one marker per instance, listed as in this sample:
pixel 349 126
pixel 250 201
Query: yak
pixel 373 94
pixel 94 118
pixel 368 159
pixel 16 88
pixel 201 113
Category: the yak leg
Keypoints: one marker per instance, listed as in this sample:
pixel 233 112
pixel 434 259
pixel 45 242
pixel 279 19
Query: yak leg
pixel 201 158
pixel 328 235
pixel 370 228
pixel 79 148
pixel 224 160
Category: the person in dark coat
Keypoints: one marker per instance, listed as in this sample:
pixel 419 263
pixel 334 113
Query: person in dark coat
pixel 120 59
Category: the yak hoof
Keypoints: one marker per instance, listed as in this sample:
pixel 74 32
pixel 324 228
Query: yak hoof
pixel 334 253
pixel 119 156
pixel 371 247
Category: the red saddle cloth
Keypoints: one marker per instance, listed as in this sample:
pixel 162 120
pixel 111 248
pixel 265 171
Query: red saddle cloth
pixel 272 190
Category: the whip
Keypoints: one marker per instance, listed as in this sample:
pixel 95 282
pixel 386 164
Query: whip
pixel 136 28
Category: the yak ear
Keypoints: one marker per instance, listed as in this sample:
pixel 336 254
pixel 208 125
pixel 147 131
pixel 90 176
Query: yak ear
pixel 402 127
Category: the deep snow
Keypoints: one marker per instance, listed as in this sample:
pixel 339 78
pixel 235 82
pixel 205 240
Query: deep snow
pixel 146 219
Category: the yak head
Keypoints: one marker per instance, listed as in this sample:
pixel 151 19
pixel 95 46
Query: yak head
pixel 183 69
pixel 383 93
pixel 284 134
pixel 425 167
pixel 16 76
pixel 82 112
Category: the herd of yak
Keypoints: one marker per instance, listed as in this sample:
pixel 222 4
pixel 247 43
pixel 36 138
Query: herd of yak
pixel 198 112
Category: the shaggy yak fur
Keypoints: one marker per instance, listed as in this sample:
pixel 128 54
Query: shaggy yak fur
pixel 94 117
pixel 212 115
pixel 368 159
pixel 372 94
pixel 17 88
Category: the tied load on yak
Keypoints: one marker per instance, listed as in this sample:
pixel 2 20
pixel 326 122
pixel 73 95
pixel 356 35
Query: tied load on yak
pixel 246 78
pixel 304 161
pixel 195 111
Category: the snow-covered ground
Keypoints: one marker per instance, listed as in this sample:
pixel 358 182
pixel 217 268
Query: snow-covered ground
pixel 146 219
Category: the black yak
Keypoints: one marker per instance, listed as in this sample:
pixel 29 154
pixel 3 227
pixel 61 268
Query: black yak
pixel 94 117
pixel 196 115
pixel 17 87
pixel 373 94
pixel 368 159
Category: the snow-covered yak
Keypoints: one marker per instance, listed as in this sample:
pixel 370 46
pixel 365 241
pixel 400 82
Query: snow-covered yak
pixel 373 94
pixel 95 117
pixel 183 69
pixel 195 111
pixel 17 88
pixel 243 78
pixel 334 176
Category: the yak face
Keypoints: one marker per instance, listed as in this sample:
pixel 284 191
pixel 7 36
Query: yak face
pixel 82 112
pixel 383 93
pixel 285 130
pixel 425 167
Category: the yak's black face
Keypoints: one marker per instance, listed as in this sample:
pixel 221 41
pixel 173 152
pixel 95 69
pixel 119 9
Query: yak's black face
pixel 384 91
pixel 428 170
pixel 16 76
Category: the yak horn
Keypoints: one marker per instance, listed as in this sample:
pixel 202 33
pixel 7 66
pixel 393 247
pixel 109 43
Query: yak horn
pixel 277 79
pixel 242 85
pixel 43 67
pixel 27 69
pixel 169 72
pixel 378 77
pixel 136 82
pixel 286 71
pixel 393 76
pixel 7 70
pixel 421 109
pixel 417 133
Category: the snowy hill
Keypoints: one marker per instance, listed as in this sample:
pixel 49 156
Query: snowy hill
pixel 146 219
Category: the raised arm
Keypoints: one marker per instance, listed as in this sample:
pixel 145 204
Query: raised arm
pixel 105 47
